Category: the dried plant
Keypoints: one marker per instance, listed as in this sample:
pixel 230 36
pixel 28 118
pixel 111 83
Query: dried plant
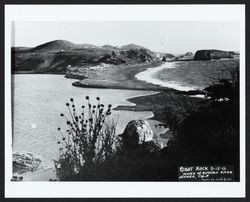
pixel 89 138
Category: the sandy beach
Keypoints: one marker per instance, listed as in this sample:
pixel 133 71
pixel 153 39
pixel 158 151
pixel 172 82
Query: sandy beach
pixel 119 77
pixel 150 76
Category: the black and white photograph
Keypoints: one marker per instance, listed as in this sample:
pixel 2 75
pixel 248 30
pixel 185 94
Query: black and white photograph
pixel 125 100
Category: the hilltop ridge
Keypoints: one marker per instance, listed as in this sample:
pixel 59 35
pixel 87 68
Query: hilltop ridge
pixel 56 56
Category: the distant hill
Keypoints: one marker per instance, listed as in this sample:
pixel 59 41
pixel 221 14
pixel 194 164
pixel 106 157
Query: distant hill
pixel 62 45
pixel 109 46
pixel 213 54
pixel 56 56
pixel 188 54
pixel 56 46
pixel 131 46
pixel 22 48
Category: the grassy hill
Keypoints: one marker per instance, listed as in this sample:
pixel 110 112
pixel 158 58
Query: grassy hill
pixel 62 45
pixel 56 56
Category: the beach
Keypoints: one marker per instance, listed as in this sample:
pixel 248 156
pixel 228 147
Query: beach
pixel 119 77
pixel 151 76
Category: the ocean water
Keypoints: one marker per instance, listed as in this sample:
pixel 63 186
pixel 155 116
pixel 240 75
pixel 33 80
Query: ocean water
pixel 153 75
pixel 188 75
pixel 38 101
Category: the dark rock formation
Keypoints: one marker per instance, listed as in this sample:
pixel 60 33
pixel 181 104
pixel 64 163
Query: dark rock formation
pixel 138 136
pixel 137 132
pixel 23 162
pixel 17 178
pixel 212 54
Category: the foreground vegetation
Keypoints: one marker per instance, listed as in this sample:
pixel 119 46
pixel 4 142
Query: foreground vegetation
pixel 205 131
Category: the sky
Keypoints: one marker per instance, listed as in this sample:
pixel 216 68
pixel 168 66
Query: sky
pixel 161 36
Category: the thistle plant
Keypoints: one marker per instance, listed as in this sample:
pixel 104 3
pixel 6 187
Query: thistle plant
pixel 88 139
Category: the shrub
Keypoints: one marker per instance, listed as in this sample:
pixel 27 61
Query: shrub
pixel 210 134
pixel 226 85
pixel 89 139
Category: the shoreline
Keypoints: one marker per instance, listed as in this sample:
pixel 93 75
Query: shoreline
pixel 151 102
pixel 125 77
pixel 98 86
pixel 113 77
pixel 150 76
pixel 120 77
pixel 129 79
pixel 155 103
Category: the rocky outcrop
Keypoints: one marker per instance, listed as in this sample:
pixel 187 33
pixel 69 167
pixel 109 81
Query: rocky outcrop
pixel 212 54
pixel 23 162
pixel 17 178
pixel 188 56
pixel 137 131
pixel 138 136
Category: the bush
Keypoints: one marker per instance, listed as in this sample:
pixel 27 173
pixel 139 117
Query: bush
pixel 89 139
pixel 89 150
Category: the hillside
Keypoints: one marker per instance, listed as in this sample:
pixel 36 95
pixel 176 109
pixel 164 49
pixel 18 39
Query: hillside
pixel 60 56
pixel 62 45
pixel 131 46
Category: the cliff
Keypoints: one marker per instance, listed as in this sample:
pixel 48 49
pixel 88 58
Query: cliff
pixel 213 54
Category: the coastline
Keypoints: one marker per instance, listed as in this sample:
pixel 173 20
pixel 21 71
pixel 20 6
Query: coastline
pixel 129 77
pixel 165 93
pixel 151 76
pixel 125 77
pixel 153 102
pixel 156 103
pixel 134 77
pixel 113 77
pixel 120 77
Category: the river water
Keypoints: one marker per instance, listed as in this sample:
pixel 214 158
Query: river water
pixel 38 101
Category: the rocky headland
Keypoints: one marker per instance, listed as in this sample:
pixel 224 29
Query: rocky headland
pixel 213 54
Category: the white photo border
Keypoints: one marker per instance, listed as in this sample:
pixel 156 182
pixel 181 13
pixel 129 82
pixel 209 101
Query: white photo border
pixel 229 12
